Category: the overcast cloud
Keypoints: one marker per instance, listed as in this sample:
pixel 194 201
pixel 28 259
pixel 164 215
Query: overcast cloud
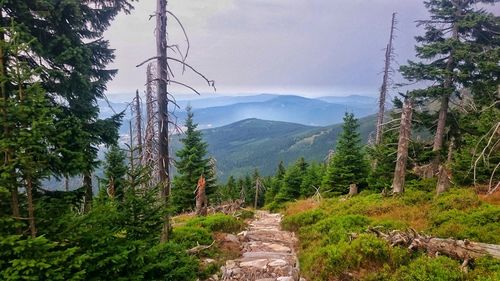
pixel 307 47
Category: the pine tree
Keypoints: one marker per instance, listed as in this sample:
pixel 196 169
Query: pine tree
pixel 275 183
pixel 192 164
pixel 115 171
pixel 348 165
pixel 312 180
pixel 292 181
pixel 66 39
pixel 451 50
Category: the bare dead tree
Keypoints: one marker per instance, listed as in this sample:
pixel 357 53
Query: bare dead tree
pixel 258 188
pixel 164 77
pixel 149 141
pixel 138 126
pixel 385 83
pixel 404 139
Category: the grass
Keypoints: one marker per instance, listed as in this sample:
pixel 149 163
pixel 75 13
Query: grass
pixel 328 252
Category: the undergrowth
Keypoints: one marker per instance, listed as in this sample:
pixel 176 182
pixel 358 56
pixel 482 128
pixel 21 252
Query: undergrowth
pixel 335 245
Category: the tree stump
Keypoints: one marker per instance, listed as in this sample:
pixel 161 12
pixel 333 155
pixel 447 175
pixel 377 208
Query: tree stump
pixel 353 189
pixel 201 197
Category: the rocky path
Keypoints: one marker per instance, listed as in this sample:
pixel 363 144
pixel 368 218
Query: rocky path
pixel 267 253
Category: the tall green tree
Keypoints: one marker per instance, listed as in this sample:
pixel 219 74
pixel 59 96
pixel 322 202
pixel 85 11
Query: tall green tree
pixel 451 52
pixel 65 39
pixel 192 164
pixel 348 164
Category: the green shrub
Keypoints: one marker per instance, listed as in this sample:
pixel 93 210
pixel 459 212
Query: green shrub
pixel 245 214
pixel 414 196
pixel 294 222
pixel 427 185
pixel 458 199
pixel 479 224
pixel 485 269
pixel 39 259
pixel 332 261
pixel 217 222
pixel 169 261
pixel 190 236
pixel 426 268
pixel 387 225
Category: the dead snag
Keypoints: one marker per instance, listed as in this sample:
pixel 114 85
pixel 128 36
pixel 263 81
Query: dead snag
pixel 201 197
pixel 404 139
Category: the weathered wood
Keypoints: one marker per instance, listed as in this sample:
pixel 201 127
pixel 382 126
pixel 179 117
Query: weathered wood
pixel 162 99
pixel 463 250
pixel 402 154
pixel 385 83
pixel 138 126
pixel 199 248
pixel 201 197
pixel 353 189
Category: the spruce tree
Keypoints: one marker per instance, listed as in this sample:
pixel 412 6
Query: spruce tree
pixel 451 52
pixel 115 171
pixel 192 164
pixel 312 179
pixel 348 164
pixel 292 181
pixel 65 38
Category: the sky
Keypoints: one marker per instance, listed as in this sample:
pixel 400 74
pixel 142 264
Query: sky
pixel 305 47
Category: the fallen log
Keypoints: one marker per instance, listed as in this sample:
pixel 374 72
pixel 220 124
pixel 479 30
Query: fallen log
pixel 199 248
pixel 463 250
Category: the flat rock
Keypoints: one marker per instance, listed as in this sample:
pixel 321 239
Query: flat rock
pixel 260 263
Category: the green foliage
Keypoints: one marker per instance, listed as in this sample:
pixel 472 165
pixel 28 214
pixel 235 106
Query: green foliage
pixel 292 182
pixel 39 259
pixel 190 236
pixel 217 223
pixel 115 171
pixel 294 222
pixel 192 164
pixel 348 165
pixel 168 261
pixel 427 268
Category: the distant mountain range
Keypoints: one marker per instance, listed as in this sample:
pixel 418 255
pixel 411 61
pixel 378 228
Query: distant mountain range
pixel 219 111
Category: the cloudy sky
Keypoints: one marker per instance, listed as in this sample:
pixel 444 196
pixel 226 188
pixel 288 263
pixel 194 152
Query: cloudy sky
pixel 306 47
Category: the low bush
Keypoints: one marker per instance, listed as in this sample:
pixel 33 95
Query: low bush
pixel 217 223
pixel 425 268
pixel 294 222
pixel 190 236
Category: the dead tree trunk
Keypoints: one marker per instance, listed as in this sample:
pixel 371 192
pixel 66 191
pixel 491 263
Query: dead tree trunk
pixel 31 208
pixel 162 99
pixel 402 154
pixel 138 125
pixel 444 173
pixel 201 197
pixel 87 183
pixel 150 124
pixel 463 250
pixel 353 189
pixel 257 189
pixel 385 83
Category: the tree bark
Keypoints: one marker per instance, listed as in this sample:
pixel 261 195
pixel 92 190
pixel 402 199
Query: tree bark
pixel 353 189
pixel 150 124
pixel 201 197
pixel 31 208
pixel 385 82
pixel 458 249
pixel 87 185
pixel 402 154
pixel 138 125
pixel 444 173
pixel 162 98
pixel 257 187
